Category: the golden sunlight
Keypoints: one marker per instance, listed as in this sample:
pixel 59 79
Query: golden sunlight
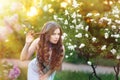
pixel 33 11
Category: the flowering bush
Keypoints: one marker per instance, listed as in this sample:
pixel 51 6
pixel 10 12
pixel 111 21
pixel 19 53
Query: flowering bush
pixel 77 36
pixel 91 35
pixel 9 71
pixel 14 73
pixel 108 33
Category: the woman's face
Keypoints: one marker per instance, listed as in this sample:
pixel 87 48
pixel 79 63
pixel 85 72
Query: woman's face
pixel 54 38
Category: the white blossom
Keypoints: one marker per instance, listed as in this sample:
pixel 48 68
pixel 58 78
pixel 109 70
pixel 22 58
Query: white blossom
pixel 113 51
pixel 73 15
pixel 89 63
pixel 87 35
pixel 74 21
pixel 118 57
pixel 71 26
pixel 86 28
pixel 116 40
pixel 75 4
pixel 113 27
pixel 116 15
pixel 89 14
pixel 94 39
pixel 115 35
pixel 105 19
pixel 106 29
pixel 66 22
pixel 106 35
pixel 64 35
pixel 66 12
pixel 80 26
pixel 45 8
pixel 103 47
pixel 109 21
pixel 71 47
pixel 78 15
pixel 55 17
pixel 61 19
pixel 66 56
pixel 117 21
pixel 76 30
pixel 82 45
pixel 71 54
pixel 115 10
pixel 79 35
pixel 97 14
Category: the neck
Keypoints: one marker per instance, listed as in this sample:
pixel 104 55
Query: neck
pixel 51 45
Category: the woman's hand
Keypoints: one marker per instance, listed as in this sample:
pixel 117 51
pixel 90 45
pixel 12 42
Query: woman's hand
pixel 30 36
pixel 44 77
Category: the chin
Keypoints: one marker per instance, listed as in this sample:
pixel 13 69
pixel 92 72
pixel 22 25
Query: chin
pixel 54 42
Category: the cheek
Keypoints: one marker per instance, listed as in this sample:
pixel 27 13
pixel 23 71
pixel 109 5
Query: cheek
pixel 51 38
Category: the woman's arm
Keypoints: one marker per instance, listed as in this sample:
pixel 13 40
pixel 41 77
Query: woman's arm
pixel 29 47
pixel 28 50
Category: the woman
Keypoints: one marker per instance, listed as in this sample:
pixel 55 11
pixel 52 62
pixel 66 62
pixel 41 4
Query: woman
pixel 49 49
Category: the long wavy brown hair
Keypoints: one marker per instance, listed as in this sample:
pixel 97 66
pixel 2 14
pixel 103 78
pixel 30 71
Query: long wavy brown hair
pixel 45 45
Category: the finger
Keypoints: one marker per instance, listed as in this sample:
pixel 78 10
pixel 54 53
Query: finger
pixel 31 32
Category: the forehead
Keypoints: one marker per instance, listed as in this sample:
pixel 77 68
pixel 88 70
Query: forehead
pixel 57 30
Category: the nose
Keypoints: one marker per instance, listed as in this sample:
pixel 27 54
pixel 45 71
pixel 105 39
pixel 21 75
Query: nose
pixel 56 36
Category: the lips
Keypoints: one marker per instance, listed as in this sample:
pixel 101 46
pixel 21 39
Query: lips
pixel 55 40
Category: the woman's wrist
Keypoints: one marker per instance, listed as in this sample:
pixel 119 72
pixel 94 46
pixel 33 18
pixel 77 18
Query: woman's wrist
pixel 27 44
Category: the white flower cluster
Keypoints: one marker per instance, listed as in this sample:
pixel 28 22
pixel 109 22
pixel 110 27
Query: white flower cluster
pixel 93 39
pixel 82 45
pixel 75 4
pixel 117 21
pixel 106 35
pixel 105 19
pixel 79 35
pixel 113 51
pixel 115 10
pixel 67 56
pixel 70 46
pixel 118 57
pixel 66 22
pixel 89 63
pixel 115 35
pixel 113 27
pixel 80 26
pixel 64 36
pixel 91 14
pixel 103 47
